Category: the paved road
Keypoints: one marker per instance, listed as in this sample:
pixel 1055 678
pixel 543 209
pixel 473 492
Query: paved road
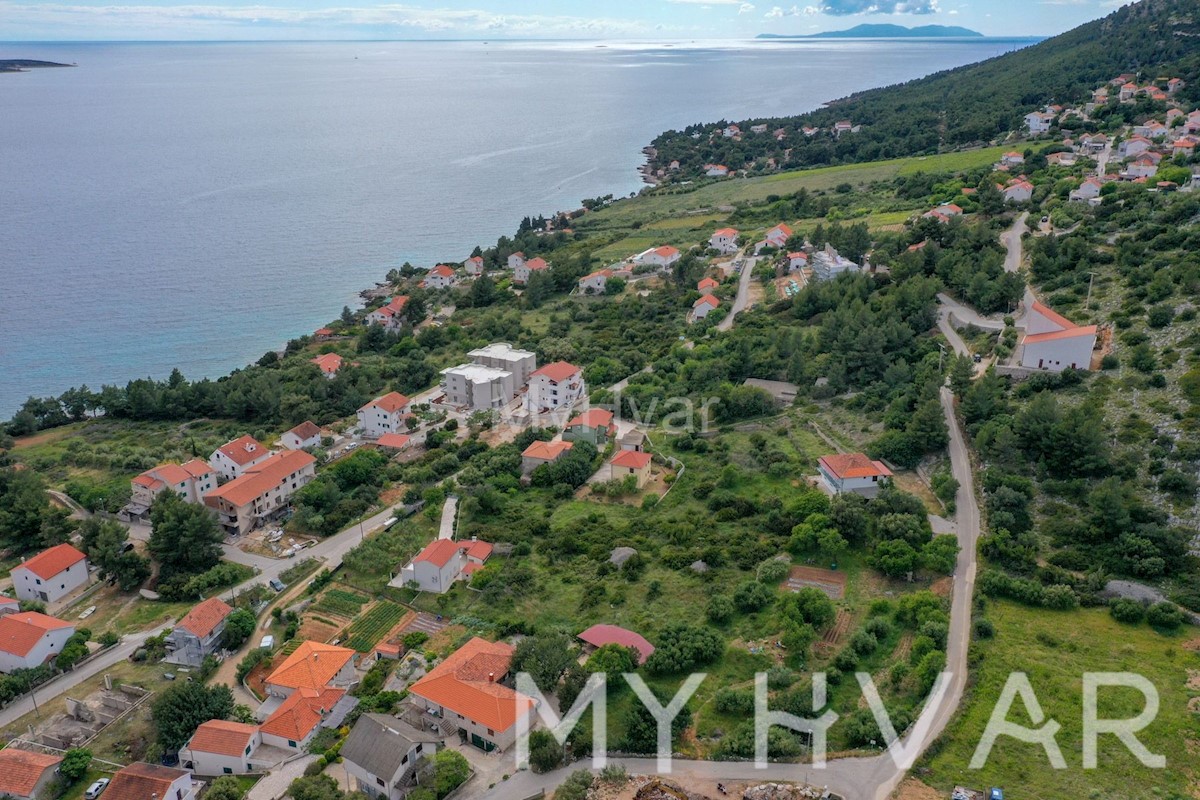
pixel 449 510
pixel 105 660
pixel 1011 239
pixel 743 295
pixel 872 778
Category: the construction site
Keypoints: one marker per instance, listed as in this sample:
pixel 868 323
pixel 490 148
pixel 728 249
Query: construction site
pixel 82 720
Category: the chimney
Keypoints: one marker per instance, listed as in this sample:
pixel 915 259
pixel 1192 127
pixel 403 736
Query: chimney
pixel 491 677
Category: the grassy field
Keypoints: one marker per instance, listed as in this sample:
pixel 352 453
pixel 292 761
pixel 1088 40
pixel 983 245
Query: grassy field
pixel 1054 649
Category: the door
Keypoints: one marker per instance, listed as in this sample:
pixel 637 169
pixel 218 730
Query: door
pixel 482 744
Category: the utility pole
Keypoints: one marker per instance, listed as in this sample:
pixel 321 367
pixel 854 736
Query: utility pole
pixel 941 355
pixel 1091 280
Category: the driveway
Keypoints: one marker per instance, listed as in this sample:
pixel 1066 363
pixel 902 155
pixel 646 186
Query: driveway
pixel 743 295
pixel 449 514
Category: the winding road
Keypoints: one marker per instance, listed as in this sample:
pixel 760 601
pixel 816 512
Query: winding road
pixel 742 300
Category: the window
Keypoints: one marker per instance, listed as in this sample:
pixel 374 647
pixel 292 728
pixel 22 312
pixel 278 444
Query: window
pixel 491 732
pixel 380 781
pixel 291 743
pixel 227 770
pixel 38 581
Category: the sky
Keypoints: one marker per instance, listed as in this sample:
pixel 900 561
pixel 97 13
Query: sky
pixel 63 20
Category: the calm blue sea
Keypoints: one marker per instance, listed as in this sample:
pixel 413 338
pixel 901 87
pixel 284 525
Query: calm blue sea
pixel 195 205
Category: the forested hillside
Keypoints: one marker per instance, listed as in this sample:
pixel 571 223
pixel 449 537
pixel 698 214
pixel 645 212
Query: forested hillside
pixel 970 104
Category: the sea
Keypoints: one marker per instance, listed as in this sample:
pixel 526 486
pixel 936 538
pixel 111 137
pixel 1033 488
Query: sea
pixel 195 205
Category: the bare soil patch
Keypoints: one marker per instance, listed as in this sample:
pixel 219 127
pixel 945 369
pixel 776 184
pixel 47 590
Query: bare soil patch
pixel 833 584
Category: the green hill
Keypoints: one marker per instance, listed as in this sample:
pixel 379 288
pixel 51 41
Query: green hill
pixel 971 104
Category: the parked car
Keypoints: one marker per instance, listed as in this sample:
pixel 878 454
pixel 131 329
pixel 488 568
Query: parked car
pixel 277 584
pixel 96 789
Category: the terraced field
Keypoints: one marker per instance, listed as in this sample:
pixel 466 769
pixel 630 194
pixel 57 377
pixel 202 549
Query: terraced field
pixel 368 629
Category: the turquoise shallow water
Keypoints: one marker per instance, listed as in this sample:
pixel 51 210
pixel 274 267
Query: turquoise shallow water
pixel 195 205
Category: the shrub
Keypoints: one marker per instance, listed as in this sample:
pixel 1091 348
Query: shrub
pixel 720 609
pixel 575 787
pixel 1164 615
pixel 984 629
pixel 681 648
pixel 1126 610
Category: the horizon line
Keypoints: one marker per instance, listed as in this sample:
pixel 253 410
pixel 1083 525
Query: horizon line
pixel 487 40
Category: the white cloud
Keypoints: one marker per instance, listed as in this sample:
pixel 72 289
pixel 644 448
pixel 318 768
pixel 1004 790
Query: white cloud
pixel 745 8
pixel 774 13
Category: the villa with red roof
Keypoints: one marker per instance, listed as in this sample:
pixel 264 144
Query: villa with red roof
pixel 1052 342
pixel 724 241
pixel 595 282
pixel 1018 192
pixel 852 473
pixel 292 725
pixel 702 307
pixel 262 493
pixel 539 453
pixel 305 435
pixel 191 481
pixel 442 562
pixel 391 315
pixel 29 639
pixel 630 462
pixel 599 635
pixel 329 364
pixel 221 747
pixel 796 261
pixel 524 269
pixel 777 237
pixel 594 425
pixel 440 277
pixel 198 634
pixel 142 781
pixel 554 386
pixel 465 692
pixel 25 775
pixel 50 575
pixel 474 266
pixel 312 665
pixel 662 257
pixel 384 414
pixel 707 285
pixel 232 459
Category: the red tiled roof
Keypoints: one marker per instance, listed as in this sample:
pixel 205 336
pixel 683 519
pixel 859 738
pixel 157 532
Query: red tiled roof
pixel 438 552
pixel 728 232
pixel 306 430
pixel 536 264
pixel 222 737
pixel 390 402
pixel 142 781
pixel 301 712
pixel 632 459
pixel 197 468
pixel 1052 315
pixel 479 550
pixel 396 441
pixel 323 332
pixel 206 616
pixel 441 270
pixel 782 228
pixel 854 465
pixel 600 635
pixel 546 451
pixel 260 478
pixel 147 480
pixel 1035 338
pixel 666 251
pixel 397 303
pixel 312 666
pixel 20 632
pixel 52 561
pixel 467 683
pixel 243 450
pixel 593 418
pixel 709 283
pixel 20 770
pixel 558 371
pixel 329 363
pixel 707 300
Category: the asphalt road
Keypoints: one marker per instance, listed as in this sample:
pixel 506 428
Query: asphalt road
pixel 743 295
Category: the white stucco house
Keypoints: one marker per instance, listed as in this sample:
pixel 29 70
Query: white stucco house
pixel 1053 343
pixel 662 257
pixel 724 241
pixel 852 473
pixel 556 385
pixel 384 414
pixel 221 747
pixel 382 752
pixel 596 282
pixel 50 575
pixel 29 639
pixel 305 435
pixel 441 563
pixel 232 459
pixel 524 270
pixel 704 306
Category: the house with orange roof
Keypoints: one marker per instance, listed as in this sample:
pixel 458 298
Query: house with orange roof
pixel 384 414
pixel 442 562
pixel 222 747
pixel 232 459
pixel 716 170
pixel 595 282
pixel 1018 192
pixel 662 257
pixel 554 386
pixel 329 364
pixel 440 277
pixel 704 306
pixel 777 237
pixel 852 473
pixel 724 241
pixel 1052 342
pixel 294 723
pixel 191 481
pixel 1174 85
pixel 312 665
pixel 391 314
pixel 142 781
pixel 594 425
pixel 630 462
pixel 1134 146
pixel 516 259
pixel 198 634
pixel 474 266
pixel 1039 121
pixel 29 639
pixel 795 261
pixel 539 453
pixel 305 435
pixel 1012 159
pixel 525 269
pixel 1088 191
pixel 707 285
pixel 395 442
pixel 50 575
pixel 467 693
pixel 262 493
pixel 1127 92
pixel 323 334
pixel 1183 147
pixel 26 775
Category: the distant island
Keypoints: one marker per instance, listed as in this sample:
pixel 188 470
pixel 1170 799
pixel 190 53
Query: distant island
pixel 885 31
pixel 23 64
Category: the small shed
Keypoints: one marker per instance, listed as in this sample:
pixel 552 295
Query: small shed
pixel 599 635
